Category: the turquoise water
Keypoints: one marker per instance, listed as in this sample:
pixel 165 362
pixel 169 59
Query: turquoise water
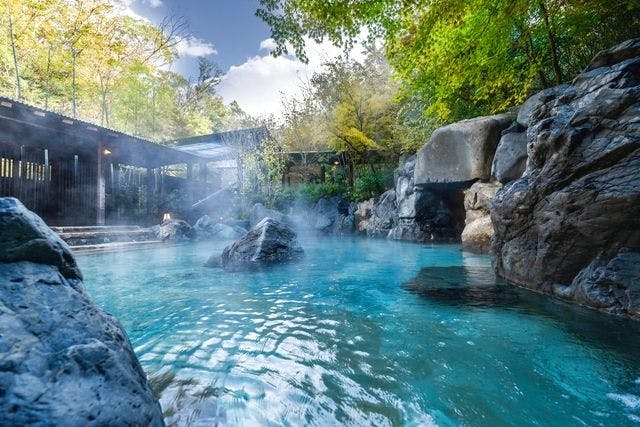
pixel 365 332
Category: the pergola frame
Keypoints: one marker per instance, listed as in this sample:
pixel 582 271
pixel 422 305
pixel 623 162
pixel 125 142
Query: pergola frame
pixel 41 152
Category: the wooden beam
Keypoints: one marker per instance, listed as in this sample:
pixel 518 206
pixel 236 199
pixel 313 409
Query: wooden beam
pixel 100 190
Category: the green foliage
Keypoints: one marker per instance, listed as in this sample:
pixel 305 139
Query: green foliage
pixel 263 169
pixel 312 192
pixel 463 58
pixel 85 59
pixel 371 183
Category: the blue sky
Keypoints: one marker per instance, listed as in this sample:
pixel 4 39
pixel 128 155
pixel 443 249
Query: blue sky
pixel 229 34
pixel 229 25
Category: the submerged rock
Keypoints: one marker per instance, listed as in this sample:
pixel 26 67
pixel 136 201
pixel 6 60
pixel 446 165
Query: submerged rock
pixel 63 361
pixel 269 242
pixel 175 230
pixel 570 226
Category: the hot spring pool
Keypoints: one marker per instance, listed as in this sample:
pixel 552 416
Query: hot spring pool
pixel 357 334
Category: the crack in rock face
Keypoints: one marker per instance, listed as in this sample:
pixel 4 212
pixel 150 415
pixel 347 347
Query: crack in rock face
pixel 571 226
pixel 63 360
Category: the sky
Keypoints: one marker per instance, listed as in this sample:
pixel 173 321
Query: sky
pixel 229 34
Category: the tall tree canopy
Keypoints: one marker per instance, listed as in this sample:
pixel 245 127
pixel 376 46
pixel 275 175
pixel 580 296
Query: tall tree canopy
pixel 83 58
pixel 462 58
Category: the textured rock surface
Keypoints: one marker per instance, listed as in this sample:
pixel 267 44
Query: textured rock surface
pixel 383 215
pixel 205 228
pixel 362 214
pixel 269 242
pixel 63 361
pixel 334 215
pixel 478 230
pixel 568 227
pixel 427 212
pixel 510 160
pixel 461 151
pixel 25 237
pixel 175 230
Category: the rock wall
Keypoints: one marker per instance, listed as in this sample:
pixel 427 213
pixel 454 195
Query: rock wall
pixel 571 226
pixel 63 361
pixel 478 231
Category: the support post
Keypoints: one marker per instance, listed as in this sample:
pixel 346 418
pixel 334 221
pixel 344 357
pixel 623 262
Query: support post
pixel 150 191
pixel 189 183
pixel 100 190
pixel 203 172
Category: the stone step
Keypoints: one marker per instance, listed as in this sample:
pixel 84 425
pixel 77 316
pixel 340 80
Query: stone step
pixel 117 246
pixel 104 233
pixel 96 228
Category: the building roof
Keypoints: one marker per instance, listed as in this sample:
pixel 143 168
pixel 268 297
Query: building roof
pixel 27 125
pixel 222 145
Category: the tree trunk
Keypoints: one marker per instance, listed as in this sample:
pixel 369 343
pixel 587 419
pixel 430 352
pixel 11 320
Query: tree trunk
pixel 15 56
pixel 73 81
pixel 47 92
pixel 552 43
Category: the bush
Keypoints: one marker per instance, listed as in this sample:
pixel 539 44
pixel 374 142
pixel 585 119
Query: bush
pixel 371 184
pixel 312 192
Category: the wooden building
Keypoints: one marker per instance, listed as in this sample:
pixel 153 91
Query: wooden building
pixel 72 172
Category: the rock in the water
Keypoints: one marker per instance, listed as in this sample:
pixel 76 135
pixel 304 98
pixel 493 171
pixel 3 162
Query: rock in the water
pixel 269 242
pixel 404 186
pixel 612 285
pixel 427 212
pixel 562 227
pixel 260 212
pixel 510 160
pixel 461 151
pixel 478 230
pixel 383 215
pixel 175 230
pixel 334 215
pixel 63 360
pixel 363 213
pixel 25 237
pixel 205 228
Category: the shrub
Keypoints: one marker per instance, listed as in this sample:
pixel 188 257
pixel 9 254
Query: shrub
pixel 371 184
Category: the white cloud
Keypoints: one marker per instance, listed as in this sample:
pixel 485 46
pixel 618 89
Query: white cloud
pixel 193 46
pixel 260 83
pixel 268 44
pixel 154 3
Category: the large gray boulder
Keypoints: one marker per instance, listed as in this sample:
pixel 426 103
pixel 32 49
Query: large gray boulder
pixel 462 151
pixel 404 186
pixel 63 361
pixel 431 212
pixel 206 229
pixel 269 242
pixel 571 226
pixel 25 237
pixel 334 215
pixel 510 160
pixel 175 230
pixel 384 215
pixel 527 109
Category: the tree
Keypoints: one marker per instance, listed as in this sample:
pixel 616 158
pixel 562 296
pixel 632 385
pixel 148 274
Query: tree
pixel 463 58
pixel 81 57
